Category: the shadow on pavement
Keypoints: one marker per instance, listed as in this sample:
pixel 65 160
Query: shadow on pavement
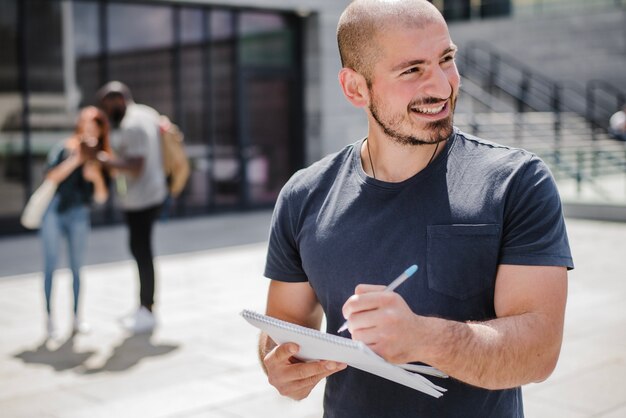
pixel 130 352
pixel 127 354
pixel 62 358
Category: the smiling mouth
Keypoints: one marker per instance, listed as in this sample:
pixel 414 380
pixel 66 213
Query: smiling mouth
pixel 429 110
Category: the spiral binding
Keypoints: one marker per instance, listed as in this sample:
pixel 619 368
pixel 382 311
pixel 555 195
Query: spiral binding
pixel 309 332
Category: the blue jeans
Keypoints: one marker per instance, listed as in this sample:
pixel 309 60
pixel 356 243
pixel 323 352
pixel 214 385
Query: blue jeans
pixel 73 225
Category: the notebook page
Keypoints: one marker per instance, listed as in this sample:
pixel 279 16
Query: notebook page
pixel 316 345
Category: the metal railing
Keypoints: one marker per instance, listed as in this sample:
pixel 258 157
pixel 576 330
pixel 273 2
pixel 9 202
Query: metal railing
pixel 592 164
pixel 600 96
pixel 543 7
pixel 484 9
pixel 585 162
pixel 588 165
pixel 530 90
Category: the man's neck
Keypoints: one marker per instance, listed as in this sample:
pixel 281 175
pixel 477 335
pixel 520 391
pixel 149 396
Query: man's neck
pixel 393 162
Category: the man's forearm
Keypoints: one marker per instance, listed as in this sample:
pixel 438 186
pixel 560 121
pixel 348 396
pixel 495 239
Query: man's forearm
pixel 497 354
pixel 131 165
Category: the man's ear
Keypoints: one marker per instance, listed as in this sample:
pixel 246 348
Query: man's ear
pixel 354 87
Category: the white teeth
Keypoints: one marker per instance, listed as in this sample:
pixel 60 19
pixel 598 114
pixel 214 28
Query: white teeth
pixel 429 111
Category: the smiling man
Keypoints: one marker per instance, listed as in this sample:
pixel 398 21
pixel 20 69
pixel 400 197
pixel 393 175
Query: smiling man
pixel 483 222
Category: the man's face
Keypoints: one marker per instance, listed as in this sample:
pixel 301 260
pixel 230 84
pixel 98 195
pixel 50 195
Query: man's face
pixel 115 108
pixel 414 85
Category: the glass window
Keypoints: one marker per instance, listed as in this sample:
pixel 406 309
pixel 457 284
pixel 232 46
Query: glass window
pixel 134 27
pixel 51 84
pixel 86 24
pixel 44 47
pixel 221 24
pixel 87 49
pixel 192 108
pixel 260 22
pixel 8 46
pixel 11 139
pixel 265 40
pixel 456 9
pixel 191 25
pixel 140 40
pixel 225 161
pixel 268 120
pixel 267 123
pixel 228 78
pixel 192 83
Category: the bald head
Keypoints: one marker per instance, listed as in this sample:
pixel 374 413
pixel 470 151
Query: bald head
pixel 364 19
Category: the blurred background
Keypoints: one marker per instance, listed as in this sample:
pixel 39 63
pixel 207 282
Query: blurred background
pixel 253 86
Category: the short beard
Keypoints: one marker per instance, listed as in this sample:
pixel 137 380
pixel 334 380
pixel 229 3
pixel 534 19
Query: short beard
pixel 441 129
pixel 116 116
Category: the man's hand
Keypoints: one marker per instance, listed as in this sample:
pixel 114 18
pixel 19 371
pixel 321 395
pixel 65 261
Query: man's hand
pixel 383 321
pixel 295 303
pixel 292 377
pixel 130 165
pixel 519 346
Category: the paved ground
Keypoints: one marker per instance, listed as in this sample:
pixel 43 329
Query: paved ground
pixel 201 361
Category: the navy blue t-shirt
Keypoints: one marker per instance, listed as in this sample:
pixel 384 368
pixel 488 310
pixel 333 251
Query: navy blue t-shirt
pixel 477 205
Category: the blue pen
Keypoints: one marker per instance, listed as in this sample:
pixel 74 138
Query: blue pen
pixel 390 288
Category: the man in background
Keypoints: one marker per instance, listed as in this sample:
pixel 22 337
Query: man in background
pixel 141 185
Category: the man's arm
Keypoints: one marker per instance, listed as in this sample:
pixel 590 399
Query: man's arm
pixel 131 165
pixel 520 346
pixel 136 143
pixel 296 303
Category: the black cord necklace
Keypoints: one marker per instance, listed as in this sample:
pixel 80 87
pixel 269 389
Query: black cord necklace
pixel 369 154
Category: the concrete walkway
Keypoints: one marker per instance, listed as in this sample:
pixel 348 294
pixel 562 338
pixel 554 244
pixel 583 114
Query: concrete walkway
pixel 201 361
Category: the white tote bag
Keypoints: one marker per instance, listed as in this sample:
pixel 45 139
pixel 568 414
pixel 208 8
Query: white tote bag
pixel 37 205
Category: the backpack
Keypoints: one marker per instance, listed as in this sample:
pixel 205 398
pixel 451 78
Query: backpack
pixel 175 161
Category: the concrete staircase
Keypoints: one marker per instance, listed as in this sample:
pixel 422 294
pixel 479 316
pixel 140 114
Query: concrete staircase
pixel 49 120
pixel 586 170
pixel 575 42
pixel 572 43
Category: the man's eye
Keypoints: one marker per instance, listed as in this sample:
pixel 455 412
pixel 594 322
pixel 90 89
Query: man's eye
pixel 448 58
pixel 411 70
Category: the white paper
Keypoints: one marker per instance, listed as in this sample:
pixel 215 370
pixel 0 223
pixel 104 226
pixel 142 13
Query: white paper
pixel 316 345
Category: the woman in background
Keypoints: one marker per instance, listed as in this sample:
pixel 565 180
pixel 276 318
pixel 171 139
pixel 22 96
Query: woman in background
pixel 81 180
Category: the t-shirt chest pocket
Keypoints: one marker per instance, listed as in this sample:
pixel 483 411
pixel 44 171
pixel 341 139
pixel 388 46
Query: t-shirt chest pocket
pixel 462 259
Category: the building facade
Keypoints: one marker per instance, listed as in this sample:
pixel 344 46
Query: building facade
pixel 252 84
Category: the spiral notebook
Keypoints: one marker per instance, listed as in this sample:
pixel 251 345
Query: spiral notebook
pixel 316 345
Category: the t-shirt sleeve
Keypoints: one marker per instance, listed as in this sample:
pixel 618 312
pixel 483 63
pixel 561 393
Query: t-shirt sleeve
pixel 283 262
pixel 135 142
pixel 534 226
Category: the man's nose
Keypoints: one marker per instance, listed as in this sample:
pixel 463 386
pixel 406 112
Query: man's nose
pixel 438 84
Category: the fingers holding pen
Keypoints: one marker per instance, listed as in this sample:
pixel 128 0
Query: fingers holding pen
pixel 382 320
pixel 362 308
pixel 368 288
pixel 376 298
